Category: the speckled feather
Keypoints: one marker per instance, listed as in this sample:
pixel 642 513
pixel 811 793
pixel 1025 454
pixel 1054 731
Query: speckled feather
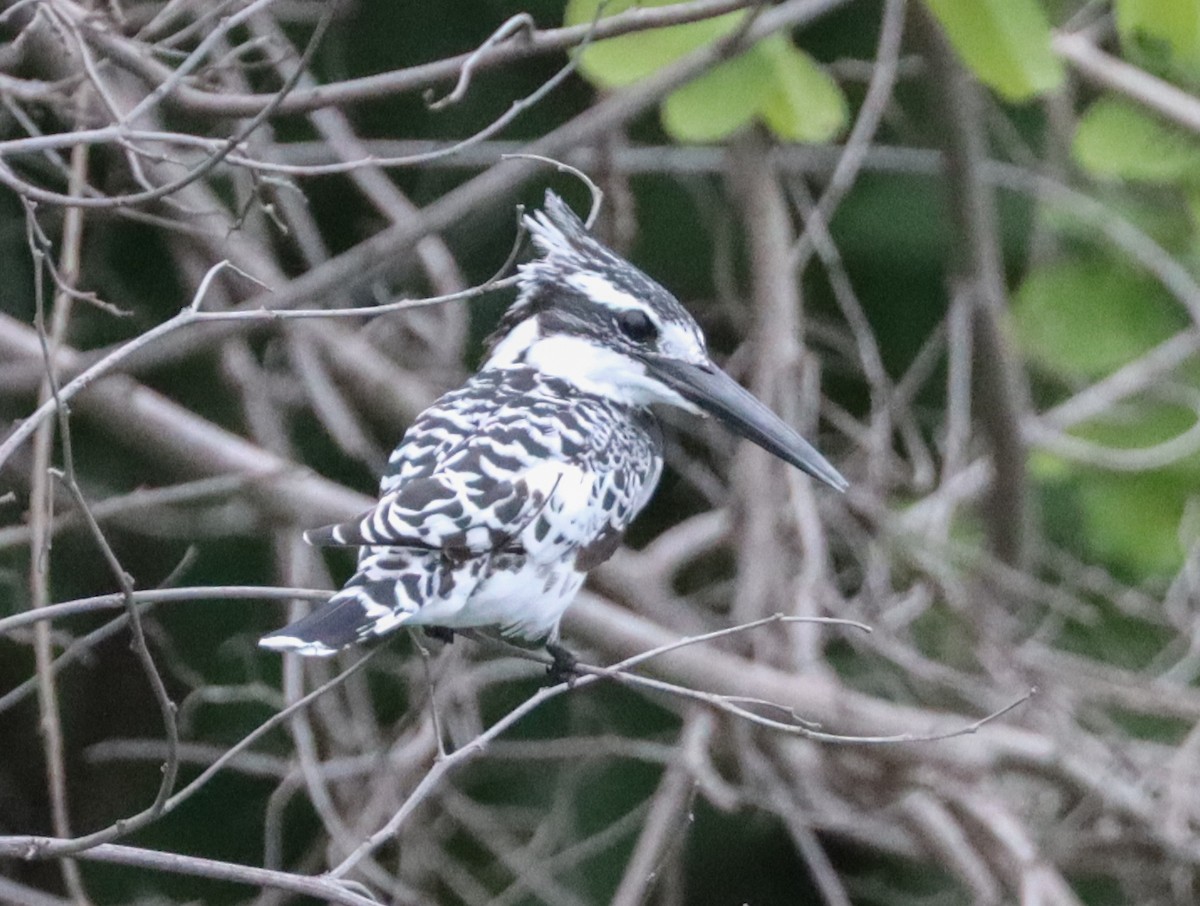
pixel 504 493
pixel 490 467
pixel 496 503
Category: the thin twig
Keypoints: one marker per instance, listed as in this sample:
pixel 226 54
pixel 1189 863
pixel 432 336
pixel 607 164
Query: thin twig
pixel 669 809
pixel 589 675
pixel 423 76
pixel 521 24
pixel 34 193
pixel 175 863
pixel 158 596
pixel 192 315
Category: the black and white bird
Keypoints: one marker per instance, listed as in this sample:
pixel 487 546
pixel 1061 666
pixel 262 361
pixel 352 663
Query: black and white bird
pixel 506 492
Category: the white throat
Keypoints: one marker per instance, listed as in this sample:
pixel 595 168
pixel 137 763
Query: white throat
pixel 600 371
pixel 585 365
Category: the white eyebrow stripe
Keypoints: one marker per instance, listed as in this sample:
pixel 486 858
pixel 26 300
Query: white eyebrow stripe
pixel 600 290
pixel 682 343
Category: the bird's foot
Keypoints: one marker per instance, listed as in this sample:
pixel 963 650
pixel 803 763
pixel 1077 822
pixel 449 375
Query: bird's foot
pixel 441 633
pixel 565 668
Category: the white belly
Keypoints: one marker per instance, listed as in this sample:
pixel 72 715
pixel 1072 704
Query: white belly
pixel 522 597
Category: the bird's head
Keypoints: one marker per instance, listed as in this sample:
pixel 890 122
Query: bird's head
pixel 589 317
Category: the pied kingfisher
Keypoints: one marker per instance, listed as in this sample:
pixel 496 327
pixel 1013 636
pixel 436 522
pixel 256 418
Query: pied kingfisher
pixel 506 492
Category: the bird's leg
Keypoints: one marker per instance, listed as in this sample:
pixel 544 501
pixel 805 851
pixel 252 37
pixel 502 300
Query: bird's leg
pixel 433 711
pixel 441 633
pixel 565 666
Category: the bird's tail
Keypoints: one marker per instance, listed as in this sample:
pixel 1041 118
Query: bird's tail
pixel 377 599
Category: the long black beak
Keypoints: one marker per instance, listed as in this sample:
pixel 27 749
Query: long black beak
pixel 717 393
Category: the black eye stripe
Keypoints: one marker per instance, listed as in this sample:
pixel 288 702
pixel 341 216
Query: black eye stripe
pixel 636 325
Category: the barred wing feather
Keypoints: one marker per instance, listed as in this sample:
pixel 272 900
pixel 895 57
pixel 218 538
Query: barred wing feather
pixel 466 514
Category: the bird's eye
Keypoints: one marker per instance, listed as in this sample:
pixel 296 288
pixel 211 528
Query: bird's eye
pixel 637 325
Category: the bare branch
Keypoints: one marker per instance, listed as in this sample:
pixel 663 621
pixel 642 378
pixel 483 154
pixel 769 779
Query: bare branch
pixel 115 854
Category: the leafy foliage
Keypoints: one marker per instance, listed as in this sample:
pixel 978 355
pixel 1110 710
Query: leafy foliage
pixel 1086 316
pixel 1006 43
pixel 774 82
pixel 1161 34
pixel 1115 139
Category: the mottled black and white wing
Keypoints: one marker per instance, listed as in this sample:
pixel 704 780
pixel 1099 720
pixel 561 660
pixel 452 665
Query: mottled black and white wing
pixel 459 509
pixel 448 423
pixel 497 502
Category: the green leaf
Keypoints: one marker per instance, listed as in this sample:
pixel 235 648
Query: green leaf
pixel 1084 318
pixel 1161 34
pixel 1139 522
pixel 1141 425
pixel 1164 217
pixel 802 103
pixel 719 102
pixel 625 59
pixel 773 81
pixel 1147 424
pixel 1135 519
pixel 1006 43
pixel 1117 140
